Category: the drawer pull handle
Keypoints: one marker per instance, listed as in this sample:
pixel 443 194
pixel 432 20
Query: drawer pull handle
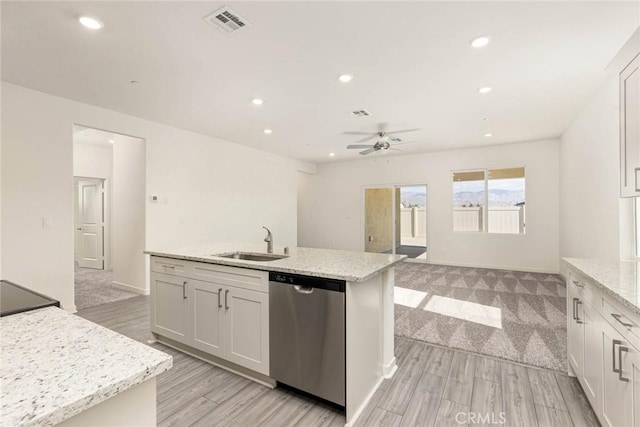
pixel 578 284
pixel 620 350
pixel 613 355
pixel 184 290
pixel 574 308
pixel 617 317
pixel 168 266
pixel 219 296
pixel 578 302
pixel 226 299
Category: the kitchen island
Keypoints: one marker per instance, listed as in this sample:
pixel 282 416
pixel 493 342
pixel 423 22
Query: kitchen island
pixel 57 368
pixel 217 308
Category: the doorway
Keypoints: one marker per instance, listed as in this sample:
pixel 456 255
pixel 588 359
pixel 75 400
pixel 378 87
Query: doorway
pixel 395 220
pixel 109 221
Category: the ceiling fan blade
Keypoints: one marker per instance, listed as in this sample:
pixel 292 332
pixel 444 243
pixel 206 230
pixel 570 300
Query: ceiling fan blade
pixel 366 138
pixel 393 132
pixel 404 142
pixel 369 151
pixel 394 149
pixel 360 133
pixel 352 146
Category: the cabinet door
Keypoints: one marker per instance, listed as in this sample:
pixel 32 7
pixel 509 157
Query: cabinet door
pixel 206 309
pixel 630 129
pixel 617 387
pixel 247 328
pixel 575 339
pixel 592 354
pixel 169 306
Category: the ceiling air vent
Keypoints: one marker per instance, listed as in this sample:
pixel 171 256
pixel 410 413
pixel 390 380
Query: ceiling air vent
pixel 226 20
pixel 361 113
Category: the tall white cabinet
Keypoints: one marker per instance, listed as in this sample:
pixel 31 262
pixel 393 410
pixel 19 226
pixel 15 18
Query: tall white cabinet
pixel 219 310
pixel 630 129
pixel 603 351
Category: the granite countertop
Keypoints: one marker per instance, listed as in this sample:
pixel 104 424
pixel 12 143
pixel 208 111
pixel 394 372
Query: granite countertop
pixel 54 365
pixel 621 280
pixel 343 265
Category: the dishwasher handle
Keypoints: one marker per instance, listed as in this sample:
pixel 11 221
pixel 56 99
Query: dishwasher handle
pixel 303 289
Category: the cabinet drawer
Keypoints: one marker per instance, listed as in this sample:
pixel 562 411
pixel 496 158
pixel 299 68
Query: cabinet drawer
pixel 175 267
pixel 256 280
pixel 623 320
pixel 581 286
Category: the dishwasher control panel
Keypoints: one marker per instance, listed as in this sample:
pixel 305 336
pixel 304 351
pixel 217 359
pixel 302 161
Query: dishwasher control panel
pixel 307 281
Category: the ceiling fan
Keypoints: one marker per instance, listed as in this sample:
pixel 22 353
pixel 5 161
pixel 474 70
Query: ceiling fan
pixel 386 141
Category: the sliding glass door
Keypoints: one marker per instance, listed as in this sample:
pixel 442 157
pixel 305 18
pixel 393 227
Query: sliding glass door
pixel 395 220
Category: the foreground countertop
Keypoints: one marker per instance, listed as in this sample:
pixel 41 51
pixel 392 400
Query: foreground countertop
pixel 620 280
pixel 54 365
pixel 350 266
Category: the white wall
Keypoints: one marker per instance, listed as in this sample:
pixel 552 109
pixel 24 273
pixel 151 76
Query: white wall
pixel 214 190
pixel 590 180
pixel 331 204
pixel 92 161
pixel 128 213
pixel 595 221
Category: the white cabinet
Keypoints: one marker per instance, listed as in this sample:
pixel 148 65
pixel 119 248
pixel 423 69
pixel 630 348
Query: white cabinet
pixel 630 129
pixel 575 334
pixel 223 311
pixel 247 329
pixel 207 317
pixel 601 352
pixel 616 386
pixel 169 306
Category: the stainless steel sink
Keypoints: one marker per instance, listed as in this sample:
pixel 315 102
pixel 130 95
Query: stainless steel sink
pixel 249 256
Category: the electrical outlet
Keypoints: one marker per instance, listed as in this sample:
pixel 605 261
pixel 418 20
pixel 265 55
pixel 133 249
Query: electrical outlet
pixel 154 199
pixel 46 222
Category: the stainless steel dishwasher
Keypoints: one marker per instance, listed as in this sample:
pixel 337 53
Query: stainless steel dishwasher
pixel 307 334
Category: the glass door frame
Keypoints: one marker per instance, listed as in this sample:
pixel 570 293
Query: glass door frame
pixel 394 218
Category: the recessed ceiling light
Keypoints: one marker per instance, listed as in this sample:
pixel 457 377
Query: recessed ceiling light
pixel 268 131
pixel 91 23
pixel 111 141
pixel 345 78
pixel 486 119
pixel 332 154
pixel 484 90
pixel 488 135
pixel 481 41
pixel 257 101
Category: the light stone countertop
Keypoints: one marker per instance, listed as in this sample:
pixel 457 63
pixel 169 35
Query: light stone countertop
pixel 54 365
pixel 350 266
pixel 621 280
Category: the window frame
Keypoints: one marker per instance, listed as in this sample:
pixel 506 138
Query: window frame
pixel 485 213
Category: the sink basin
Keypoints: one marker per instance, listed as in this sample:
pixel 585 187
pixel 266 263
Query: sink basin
pixel 248 256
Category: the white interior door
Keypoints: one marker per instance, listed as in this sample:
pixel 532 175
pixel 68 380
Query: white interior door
pixel 91 223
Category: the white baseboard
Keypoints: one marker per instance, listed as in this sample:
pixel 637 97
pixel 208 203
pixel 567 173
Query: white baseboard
pixel 496 267
pixel 390 369
pixel 130 288
pixel 71 308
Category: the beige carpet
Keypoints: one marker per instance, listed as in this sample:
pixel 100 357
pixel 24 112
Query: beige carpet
pixel 94 287
pixel 507 314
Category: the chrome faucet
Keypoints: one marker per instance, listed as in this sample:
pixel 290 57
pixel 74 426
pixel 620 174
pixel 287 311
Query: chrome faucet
pixel 269 240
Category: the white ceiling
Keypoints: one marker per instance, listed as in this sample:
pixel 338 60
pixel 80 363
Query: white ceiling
pixel 412 63
pixel 85 135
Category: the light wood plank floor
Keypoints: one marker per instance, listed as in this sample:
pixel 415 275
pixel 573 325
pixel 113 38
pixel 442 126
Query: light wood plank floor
pixel 433 386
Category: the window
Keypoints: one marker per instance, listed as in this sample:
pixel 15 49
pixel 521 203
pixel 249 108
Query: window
pixel 469 200
pixel 489 200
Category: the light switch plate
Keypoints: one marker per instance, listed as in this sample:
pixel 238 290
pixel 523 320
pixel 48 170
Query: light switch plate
pixel 46 222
